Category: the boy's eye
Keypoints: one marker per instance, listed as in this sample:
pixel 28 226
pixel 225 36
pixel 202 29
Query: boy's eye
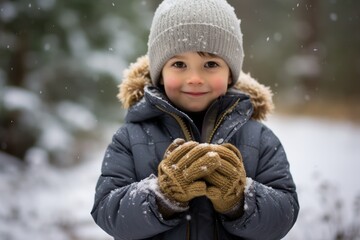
pixel 179 64
pixel 211 64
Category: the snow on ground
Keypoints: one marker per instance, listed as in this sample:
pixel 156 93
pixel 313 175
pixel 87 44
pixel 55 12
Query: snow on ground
pixel 44 202
pixel 324 160
pixel 47 203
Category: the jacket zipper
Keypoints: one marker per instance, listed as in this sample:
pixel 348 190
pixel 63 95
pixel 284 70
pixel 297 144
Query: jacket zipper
pixel 188 137
pixel 181 122
pixel 217 125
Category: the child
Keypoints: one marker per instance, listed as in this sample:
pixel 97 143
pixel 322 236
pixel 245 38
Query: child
pixel 193 160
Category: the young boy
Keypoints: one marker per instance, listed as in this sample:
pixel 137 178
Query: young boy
pixel 193 160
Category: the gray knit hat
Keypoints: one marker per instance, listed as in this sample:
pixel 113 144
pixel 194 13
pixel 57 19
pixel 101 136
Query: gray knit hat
pixel 195 25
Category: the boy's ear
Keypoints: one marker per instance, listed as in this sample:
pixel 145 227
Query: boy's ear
pixel 161 81
pixel 230 80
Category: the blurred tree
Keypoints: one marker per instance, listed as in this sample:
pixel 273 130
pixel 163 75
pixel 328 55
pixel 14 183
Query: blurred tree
pixel 307 51
pixel 59 67
pixel 308 40
pixel 340 37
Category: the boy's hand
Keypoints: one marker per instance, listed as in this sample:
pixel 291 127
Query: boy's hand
pixel 181 172
pixel 226 185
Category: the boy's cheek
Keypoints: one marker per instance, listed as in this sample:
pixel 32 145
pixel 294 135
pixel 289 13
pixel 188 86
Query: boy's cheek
pixel 172 83
pixel 220 85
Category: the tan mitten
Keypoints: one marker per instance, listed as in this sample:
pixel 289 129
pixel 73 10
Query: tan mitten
pixel 227 183
pixel 181 171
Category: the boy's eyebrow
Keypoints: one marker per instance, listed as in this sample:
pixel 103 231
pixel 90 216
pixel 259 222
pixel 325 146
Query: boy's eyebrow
pixel 177 56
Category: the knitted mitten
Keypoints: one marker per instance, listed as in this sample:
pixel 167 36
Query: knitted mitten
pixel 226 185
pixel 181 171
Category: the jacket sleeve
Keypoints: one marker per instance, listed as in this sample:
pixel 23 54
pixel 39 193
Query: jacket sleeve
pixel 271 204
pixel 123 205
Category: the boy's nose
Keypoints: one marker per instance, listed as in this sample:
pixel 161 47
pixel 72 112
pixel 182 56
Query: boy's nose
pixel 195 78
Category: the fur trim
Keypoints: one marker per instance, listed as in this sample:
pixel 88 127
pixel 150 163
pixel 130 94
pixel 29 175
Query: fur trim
pixel 137 76
pixel 260 95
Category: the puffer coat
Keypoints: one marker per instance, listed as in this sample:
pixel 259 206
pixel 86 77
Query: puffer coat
pixel 125 204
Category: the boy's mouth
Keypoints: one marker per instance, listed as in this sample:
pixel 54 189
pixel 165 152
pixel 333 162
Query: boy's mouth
pixel 195 94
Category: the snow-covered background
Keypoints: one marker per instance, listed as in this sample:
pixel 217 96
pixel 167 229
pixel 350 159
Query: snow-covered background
pixel 324 157
pixel 43 202
pixel 61 59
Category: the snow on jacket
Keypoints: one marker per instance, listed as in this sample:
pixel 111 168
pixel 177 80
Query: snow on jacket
pixel 125 205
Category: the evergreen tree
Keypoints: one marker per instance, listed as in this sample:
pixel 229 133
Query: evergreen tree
pixel 59 67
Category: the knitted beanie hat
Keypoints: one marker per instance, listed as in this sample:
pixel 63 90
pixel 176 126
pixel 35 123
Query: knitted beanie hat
pixel 195 25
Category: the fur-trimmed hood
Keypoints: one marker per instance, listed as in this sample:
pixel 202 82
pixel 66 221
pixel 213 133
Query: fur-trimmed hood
pixel 137 76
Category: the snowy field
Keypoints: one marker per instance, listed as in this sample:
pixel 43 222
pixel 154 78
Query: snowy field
pixel 47 203
pixel 325 162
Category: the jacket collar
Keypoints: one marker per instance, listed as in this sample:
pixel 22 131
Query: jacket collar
pixel 136 84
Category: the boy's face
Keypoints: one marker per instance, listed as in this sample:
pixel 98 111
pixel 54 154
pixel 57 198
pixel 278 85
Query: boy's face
pixel 192 81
